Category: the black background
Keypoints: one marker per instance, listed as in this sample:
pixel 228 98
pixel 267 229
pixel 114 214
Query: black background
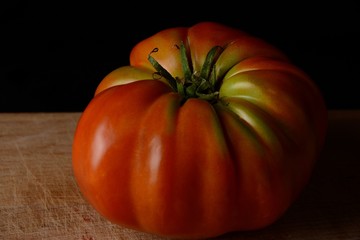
pixel 53 54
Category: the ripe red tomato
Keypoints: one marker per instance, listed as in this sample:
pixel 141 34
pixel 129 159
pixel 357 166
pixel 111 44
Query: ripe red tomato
pixel 209 130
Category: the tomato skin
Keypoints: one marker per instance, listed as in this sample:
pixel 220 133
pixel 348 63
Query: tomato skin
pixel 148 160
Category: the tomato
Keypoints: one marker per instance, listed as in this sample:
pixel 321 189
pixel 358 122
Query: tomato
pixel 209 130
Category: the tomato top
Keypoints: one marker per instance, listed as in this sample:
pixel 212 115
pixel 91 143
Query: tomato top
pixel 231 46
pixel 227 65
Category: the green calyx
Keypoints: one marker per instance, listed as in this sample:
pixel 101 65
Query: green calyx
pixel 201 84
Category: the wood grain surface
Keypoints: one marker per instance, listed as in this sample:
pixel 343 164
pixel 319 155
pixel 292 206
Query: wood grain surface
pixel 39 198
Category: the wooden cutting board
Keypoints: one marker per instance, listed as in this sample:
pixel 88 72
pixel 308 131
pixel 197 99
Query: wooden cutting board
pixel 39 198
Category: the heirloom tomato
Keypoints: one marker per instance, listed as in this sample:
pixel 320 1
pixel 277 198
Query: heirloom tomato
pixel 208 130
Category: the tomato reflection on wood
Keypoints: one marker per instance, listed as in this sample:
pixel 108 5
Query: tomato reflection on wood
pixel 208 130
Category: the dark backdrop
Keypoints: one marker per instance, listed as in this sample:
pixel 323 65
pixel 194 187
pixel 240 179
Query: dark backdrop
pixel 54 54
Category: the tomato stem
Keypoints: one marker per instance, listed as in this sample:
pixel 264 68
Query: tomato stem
pixel 162 71
pixel 194 84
